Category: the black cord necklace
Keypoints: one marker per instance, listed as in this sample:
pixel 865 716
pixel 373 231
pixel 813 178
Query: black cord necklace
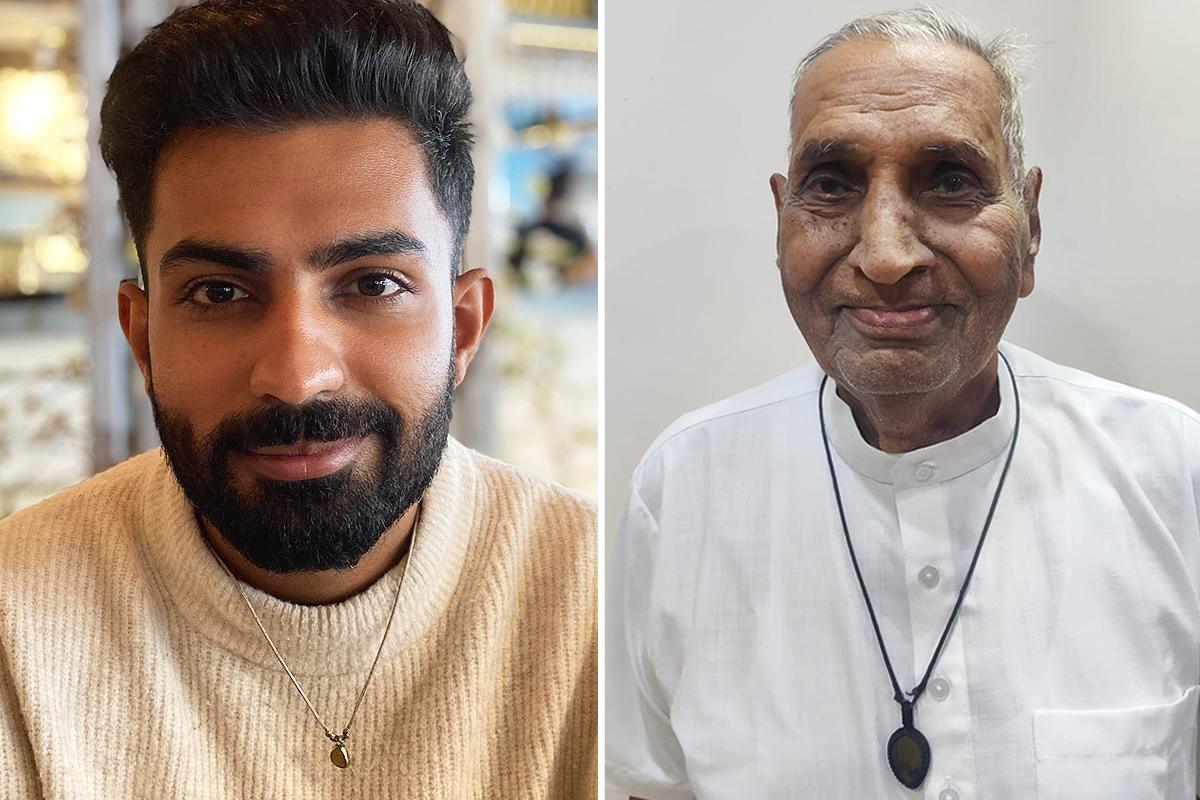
pixel 908 750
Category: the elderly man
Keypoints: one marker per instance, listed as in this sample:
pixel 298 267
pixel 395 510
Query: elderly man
pixel 311 591
pixel 931 564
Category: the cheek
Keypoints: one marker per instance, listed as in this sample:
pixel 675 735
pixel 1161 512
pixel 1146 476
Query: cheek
pixel 407 370
pixel 196 380
pixel 181 361
pixel 809 247
pixel 985 252
pixel 987 265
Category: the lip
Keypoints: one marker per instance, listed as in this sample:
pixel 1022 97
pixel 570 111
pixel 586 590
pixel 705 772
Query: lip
pixel 305 459
pixel 900 322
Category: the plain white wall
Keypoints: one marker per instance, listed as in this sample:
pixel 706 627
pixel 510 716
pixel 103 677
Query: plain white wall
pixel 696 120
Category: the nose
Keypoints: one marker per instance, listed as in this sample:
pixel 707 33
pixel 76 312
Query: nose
pixel 889 246
pixel 296 354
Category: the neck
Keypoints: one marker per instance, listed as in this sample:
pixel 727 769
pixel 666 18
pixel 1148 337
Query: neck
pixel 902 423
pixel 323 586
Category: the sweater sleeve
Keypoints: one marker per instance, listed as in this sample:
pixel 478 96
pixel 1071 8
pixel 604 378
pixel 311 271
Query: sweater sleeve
pixel 18 773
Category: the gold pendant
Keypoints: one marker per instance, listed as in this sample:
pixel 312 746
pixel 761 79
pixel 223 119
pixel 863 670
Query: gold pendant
pixel 339 757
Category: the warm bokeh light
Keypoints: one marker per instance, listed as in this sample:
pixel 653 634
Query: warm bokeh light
pixel 42 125
pixel 60 252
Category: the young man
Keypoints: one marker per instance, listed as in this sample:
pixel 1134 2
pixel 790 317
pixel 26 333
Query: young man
pixel 311 590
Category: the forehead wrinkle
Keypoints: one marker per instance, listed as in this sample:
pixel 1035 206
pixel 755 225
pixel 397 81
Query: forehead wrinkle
pixel 898 81
pixel 928 65
pixel 870 76
pixel 916 99
pixel 873 129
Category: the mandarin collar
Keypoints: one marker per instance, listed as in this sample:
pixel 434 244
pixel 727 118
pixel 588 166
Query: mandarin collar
pixel 930 465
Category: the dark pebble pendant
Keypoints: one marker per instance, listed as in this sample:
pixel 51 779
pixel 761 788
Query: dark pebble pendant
pixel 908 756
pixel 339 757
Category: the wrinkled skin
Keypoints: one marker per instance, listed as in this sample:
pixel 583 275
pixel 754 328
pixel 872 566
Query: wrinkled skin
pixel 899 197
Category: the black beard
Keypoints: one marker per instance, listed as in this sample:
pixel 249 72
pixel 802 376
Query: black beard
pixel 322 523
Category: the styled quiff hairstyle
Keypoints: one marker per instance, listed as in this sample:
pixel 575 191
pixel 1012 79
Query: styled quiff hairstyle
pixel 1005 54
pixel 267 65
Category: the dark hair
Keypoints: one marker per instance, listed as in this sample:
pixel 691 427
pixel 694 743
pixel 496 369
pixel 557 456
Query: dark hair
pixel 271 64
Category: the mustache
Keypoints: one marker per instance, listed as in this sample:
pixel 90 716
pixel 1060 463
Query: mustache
pixel 314 421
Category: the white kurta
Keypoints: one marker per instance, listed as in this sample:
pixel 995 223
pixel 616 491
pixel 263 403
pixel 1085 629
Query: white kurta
pixel 740 658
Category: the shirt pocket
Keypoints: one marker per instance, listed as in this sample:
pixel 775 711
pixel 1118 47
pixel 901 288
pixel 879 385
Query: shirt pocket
pixel 1141 753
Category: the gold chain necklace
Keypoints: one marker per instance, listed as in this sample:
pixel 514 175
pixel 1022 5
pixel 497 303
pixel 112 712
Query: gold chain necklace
pixel 339 756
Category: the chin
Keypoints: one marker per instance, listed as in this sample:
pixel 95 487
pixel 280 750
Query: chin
pixel 895 370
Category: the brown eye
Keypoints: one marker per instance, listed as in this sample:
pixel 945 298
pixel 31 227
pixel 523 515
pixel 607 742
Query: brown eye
pixel 826 185
pixel 215 293
pixel 378 286
pixel 218 294
pixel 830 187
pixel 952 184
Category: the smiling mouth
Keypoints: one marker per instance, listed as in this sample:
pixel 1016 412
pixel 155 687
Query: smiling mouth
pixel 305 459
pixel 905 321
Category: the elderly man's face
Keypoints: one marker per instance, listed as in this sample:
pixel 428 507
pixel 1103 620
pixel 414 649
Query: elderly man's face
pixel 301 333
pixel 903 247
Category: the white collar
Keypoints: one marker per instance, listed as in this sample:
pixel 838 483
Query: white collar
pixel 928 465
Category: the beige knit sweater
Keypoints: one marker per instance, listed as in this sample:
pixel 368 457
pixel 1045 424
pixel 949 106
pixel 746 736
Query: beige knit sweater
pixel 131 668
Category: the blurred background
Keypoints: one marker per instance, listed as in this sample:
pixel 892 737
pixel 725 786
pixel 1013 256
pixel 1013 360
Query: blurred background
pixel 71 399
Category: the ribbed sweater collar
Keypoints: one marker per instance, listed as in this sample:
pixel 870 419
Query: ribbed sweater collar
pixel 335 639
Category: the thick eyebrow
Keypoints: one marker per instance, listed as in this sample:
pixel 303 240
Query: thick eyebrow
pixel 825 149
pixel 206 250
pixel 963 151
pixel 375 243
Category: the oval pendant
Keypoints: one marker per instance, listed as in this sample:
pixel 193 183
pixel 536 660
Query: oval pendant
pixel 339 757
pixel 908 756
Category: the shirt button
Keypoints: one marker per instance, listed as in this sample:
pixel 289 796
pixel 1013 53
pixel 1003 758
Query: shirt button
pixel 925 471
pixel 939 688
pixel 929 576
pixel 948 794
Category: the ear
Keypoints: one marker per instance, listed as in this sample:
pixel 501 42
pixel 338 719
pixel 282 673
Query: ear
pixel 779 192
pixel 474 298
pixel 1032 191
pixel 133 310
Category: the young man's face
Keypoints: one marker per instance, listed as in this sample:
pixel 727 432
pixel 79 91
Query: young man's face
pixel 302 333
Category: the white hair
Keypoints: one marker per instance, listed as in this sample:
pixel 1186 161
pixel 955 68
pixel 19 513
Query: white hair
pixel 1005 54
